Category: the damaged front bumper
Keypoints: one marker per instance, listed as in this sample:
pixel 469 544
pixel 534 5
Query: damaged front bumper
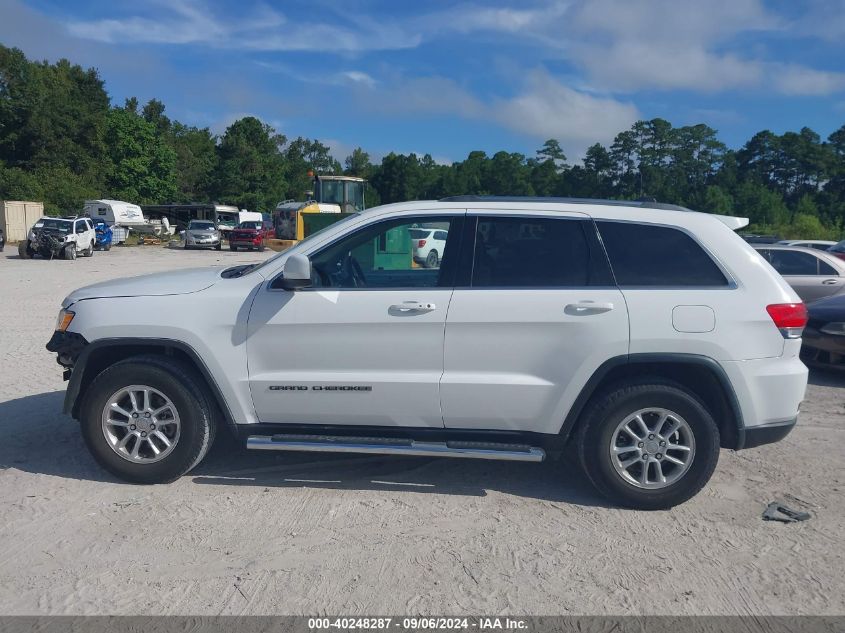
pixel 67 346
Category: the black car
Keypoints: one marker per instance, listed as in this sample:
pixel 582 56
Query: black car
pixel 824 336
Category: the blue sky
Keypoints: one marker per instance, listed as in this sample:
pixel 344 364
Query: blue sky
pixel 446 78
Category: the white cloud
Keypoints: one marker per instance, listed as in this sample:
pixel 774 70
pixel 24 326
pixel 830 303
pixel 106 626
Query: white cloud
pixel 637 45
pixel 262 29
pixel 359 77
pixel 801 81
pixel 550 109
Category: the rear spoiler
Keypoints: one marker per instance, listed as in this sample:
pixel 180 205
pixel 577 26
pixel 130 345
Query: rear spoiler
pixel 732 222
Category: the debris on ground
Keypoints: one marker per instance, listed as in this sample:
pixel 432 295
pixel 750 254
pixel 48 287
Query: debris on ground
pixel 778 512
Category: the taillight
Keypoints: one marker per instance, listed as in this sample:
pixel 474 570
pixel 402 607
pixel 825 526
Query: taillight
pixel 789 318
pixel 421 244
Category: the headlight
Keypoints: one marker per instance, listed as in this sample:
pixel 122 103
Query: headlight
pixel 835 328
pixel 65 317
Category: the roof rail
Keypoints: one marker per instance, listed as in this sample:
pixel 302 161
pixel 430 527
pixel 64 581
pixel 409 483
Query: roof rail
pixel 644 203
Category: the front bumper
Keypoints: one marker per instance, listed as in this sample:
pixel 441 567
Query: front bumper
pixel 204 244
pixel 67 346
pixel 245 241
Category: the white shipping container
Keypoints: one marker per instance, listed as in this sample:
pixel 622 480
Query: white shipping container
pixel 17 217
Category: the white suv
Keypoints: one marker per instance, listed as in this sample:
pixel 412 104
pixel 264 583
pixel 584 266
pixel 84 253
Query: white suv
pixel 59 237
pixel 647 335
pixel 429 245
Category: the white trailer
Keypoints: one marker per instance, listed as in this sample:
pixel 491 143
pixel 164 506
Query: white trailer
pixel 117 212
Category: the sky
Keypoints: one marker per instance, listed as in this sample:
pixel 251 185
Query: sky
pixel 447 78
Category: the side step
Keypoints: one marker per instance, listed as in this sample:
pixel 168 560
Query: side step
pixel 396 446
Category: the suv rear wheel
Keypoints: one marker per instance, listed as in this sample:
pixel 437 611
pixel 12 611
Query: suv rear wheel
pixel 649 445
pixel 147 420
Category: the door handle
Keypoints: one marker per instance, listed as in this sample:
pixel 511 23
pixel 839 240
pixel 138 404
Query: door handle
pixel 413 306
pixel 830 282
pixel 582 308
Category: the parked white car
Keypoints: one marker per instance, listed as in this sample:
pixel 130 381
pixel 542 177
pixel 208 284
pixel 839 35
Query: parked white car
pixel 429 245
pixel 646 335
pixel 820 245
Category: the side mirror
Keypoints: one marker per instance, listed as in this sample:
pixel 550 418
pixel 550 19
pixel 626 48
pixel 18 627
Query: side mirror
pixel 296 273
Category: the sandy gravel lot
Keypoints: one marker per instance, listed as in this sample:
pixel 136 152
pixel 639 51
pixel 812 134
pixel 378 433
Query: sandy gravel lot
pixel 254 533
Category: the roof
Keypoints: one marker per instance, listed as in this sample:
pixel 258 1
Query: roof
pixel 113 203
pixel 348 178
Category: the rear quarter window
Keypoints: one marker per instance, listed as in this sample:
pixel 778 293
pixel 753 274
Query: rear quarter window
pixel 653 256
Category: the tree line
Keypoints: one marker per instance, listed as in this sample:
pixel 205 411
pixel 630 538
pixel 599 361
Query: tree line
pixel 62 141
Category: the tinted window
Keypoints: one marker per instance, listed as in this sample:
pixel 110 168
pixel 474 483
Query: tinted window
pixel 838 248
pixel 525 252
pixel 418 234
pixel 440 235
pixel 827 270
pixel 387 255
pixel 651 255
pixel 793 262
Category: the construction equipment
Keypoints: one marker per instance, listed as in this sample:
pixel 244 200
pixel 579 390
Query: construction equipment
pixel 333 198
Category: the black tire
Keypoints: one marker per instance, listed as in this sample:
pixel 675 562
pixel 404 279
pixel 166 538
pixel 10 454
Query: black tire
pixel 432 260
pixel 261 247
pixel 179 383
pixel 232 247
pixel 69 251
pixel 89 252
pixel 24 251
pixel 186 245
pixel 107 247
pixel 219 246
pixel 598 425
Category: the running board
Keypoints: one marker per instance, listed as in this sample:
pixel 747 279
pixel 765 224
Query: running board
pixel 396 446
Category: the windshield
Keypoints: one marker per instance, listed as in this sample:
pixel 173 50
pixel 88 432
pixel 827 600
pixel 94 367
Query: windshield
pixel 200 226
pixel 61 225
pixel 249 225
pixel 331 191
pixel 418 234
pixel 838 248
pixel 355 194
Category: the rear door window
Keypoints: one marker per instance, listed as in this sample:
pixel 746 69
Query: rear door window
pixel 530 252
pixel 793 263
pixel 653 256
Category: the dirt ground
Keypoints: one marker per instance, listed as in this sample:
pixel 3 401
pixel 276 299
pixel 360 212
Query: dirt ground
pixel 255 533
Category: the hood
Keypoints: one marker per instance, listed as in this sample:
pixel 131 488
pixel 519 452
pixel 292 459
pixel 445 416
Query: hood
pixel 169 283
pixel 199 232
pixel 829 309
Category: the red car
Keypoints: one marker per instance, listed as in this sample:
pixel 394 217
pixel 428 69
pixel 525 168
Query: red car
pixel 250 235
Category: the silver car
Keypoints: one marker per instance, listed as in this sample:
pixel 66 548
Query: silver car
pixel 812 273
pixel 202 234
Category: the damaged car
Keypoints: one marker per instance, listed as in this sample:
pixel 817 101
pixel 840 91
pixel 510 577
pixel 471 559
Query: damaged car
pixel 54 238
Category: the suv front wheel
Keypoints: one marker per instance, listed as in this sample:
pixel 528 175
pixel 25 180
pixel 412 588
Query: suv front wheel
pixel 147 420
pixel 649 446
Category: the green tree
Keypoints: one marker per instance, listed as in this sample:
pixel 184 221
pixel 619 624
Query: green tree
pixel 196 162
pixel 141 163
pixel 250 169
pixel 358 164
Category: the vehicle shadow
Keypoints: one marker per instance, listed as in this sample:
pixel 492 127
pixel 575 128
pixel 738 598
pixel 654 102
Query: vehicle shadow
pixel 36 437
pixel 827 377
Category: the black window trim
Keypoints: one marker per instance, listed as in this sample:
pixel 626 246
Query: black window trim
pixel 460 218
pixel 729 278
